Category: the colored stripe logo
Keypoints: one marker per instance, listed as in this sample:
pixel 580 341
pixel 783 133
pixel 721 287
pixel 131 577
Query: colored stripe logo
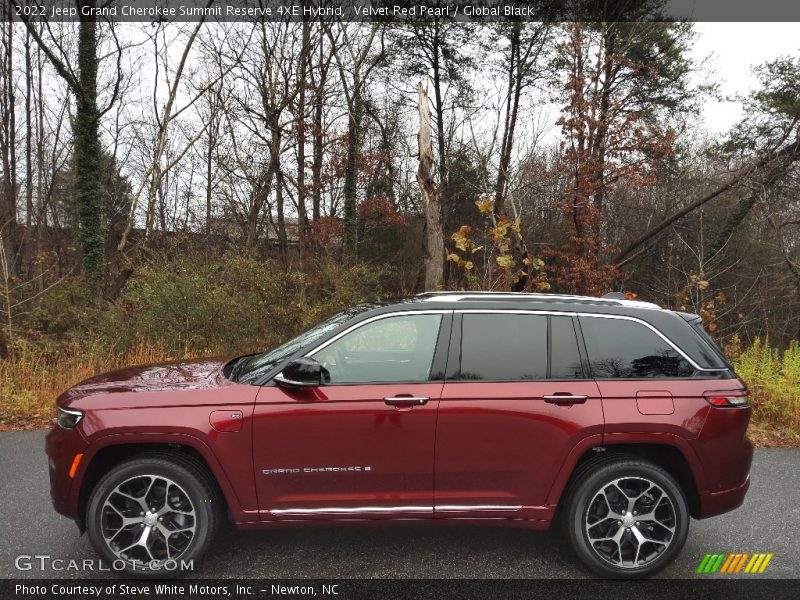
pixel 732 563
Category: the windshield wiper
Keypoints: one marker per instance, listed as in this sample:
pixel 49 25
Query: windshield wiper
pixel 237 367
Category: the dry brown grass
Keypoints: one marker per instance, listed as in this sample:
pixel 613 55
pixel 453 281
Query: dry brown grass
pixel 30 382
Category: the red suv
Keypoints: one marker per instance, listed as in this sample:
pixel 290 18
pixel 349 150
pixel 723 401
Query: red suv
pixel 617 417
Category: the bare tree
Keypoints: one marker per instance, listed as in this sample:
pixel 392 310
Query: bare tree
pixel 87 150
pixel 355 60
pixel 434 237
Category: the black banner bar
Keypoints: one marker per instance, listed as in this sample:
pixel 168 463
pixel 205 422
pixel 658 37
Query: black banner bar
pixel 754 588
pixel 476 11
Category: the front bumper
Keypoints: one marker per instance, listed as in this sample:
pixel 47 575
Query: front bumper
pixel 62 446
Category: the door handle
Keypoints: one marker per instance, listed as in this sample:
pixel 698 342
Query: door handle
pixel 565 399
pixel 404 401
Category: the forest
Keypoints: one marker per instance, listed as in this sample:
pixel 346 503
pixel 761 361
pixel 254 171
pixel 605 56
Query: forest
pixel 179 189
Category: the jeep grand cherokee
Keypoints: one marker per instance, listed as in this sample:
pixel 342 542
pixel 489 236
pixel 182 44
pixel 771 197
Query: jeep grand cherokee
pixel 617 417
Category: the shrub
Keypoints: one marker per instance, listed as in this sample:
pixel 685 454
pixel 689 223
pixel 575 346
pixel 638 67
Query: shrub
pixel 774 381
pixel 177 308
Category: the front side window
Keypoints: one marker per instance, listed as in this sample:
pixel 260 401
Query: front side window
pixel 392 349
pixel 619 348
pixel 249 369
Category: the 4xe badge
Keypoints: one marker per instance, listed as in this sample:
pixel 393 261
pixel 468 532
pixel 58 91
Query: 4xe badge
pixel 734 563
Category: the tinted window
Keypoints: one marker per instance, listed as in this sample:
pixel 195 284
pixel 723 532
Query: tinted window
pixel 565 360
pixel 620 348
pixel 503 347
pixel 387 350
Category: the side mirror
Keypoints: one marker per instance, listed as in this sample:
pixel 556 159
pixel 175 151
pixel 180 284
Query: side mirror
pixel 302 373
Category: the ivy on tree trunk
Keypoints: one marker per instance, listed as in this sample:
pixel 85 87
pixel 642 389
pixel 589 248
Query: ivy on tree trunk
pixel 88 188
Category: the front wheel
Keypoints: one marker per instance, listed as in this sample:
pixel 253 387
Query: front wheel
pixel 626 518
pixel 153 516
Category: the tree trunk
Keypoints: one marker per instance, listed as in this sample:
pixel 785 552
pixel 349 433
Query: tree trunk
pixel 8 195
pixel 434 236
pixel 302 219
pixel 510 123
pixel 213 130
pixel 283 241
pixel 351 172
pixel 88 190
pixel 439 107
pixel 318 139
pixel 28 137
pixel 261 194
pixel 734 219
pixel 762 171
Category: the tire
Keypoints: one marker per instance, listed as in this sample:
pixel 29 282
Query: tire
pixel 135 540
pixel 625 518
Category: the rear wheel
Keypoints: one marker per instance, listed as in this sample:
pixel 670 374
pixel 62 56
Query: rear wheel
pixel 626 518
pixel 153 515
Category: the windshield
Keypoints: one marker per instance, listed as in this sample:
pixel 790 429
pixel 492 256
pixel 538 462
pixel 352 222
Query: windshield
pixel 248 369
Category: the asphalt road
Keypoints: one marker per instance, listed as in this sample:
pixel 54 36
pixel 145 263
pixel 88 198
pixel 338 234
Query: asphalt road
pixel 769 521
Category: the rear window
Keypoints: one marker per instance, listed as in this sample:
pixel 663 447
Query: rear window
pixel 619 348
pixel 697 327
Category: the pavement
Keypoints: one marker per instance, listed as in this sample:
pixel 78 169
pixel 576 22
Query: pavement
pixel 769 521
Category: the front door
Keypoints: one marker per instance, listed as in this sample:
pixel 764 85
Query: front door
pixel 519 401
pixel 361 446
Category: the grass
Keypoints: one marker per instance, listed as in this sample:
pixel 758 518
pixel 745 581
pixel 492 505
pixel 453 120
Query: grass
pixel 33 379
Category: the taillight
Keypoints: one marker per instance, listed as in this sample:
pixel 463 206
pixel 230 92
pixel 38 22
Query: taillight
pixel 727 398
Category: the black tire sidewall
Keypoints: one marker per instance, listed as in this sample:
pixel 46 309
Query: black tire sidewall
pixel 584 493
pixel 205 511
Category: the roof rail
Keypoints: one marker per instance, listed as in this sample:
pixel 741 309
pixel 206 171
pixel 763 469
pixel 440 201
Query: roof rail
pixel 457 296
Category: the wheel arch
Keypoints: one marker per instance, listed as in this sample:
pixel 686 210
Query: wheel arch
pixel 668 456
pixel 117 449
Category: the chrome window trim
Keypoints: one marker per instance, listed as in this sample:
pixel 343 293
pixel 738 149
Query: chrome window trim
pixel 557 313
pixel 592 315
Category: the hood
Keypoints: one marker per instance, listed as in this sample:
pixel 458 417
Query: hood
pixel 198 374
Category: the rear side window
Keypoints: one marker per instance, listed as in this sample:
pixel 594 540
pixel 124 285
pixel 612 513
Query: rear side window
pixel 565 359
pixel 620 348
pixel 697 327
pixel 503 347
pixel 515 347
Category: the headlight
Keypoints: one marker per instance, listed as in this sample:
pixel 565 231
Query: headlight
pixel 68 419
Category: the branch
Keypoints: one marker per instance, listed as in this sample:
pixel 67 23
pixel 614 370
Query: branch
pixel 789 154
pixel 59 66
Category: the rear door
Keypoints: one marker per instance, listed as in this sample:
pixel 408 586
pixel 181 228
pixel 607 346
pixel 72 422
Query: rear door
pixel 516 400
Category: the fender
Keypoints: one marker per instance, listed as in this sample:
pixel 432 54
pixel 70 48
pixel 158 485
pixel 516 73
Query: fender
pixel 239 513
pixel 587 443
pixel 665 439
pixel 568 466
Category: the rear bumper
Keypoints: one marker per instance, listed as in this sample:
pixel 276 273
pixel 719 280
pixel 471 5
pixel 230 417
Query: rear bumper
pixel 716 503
